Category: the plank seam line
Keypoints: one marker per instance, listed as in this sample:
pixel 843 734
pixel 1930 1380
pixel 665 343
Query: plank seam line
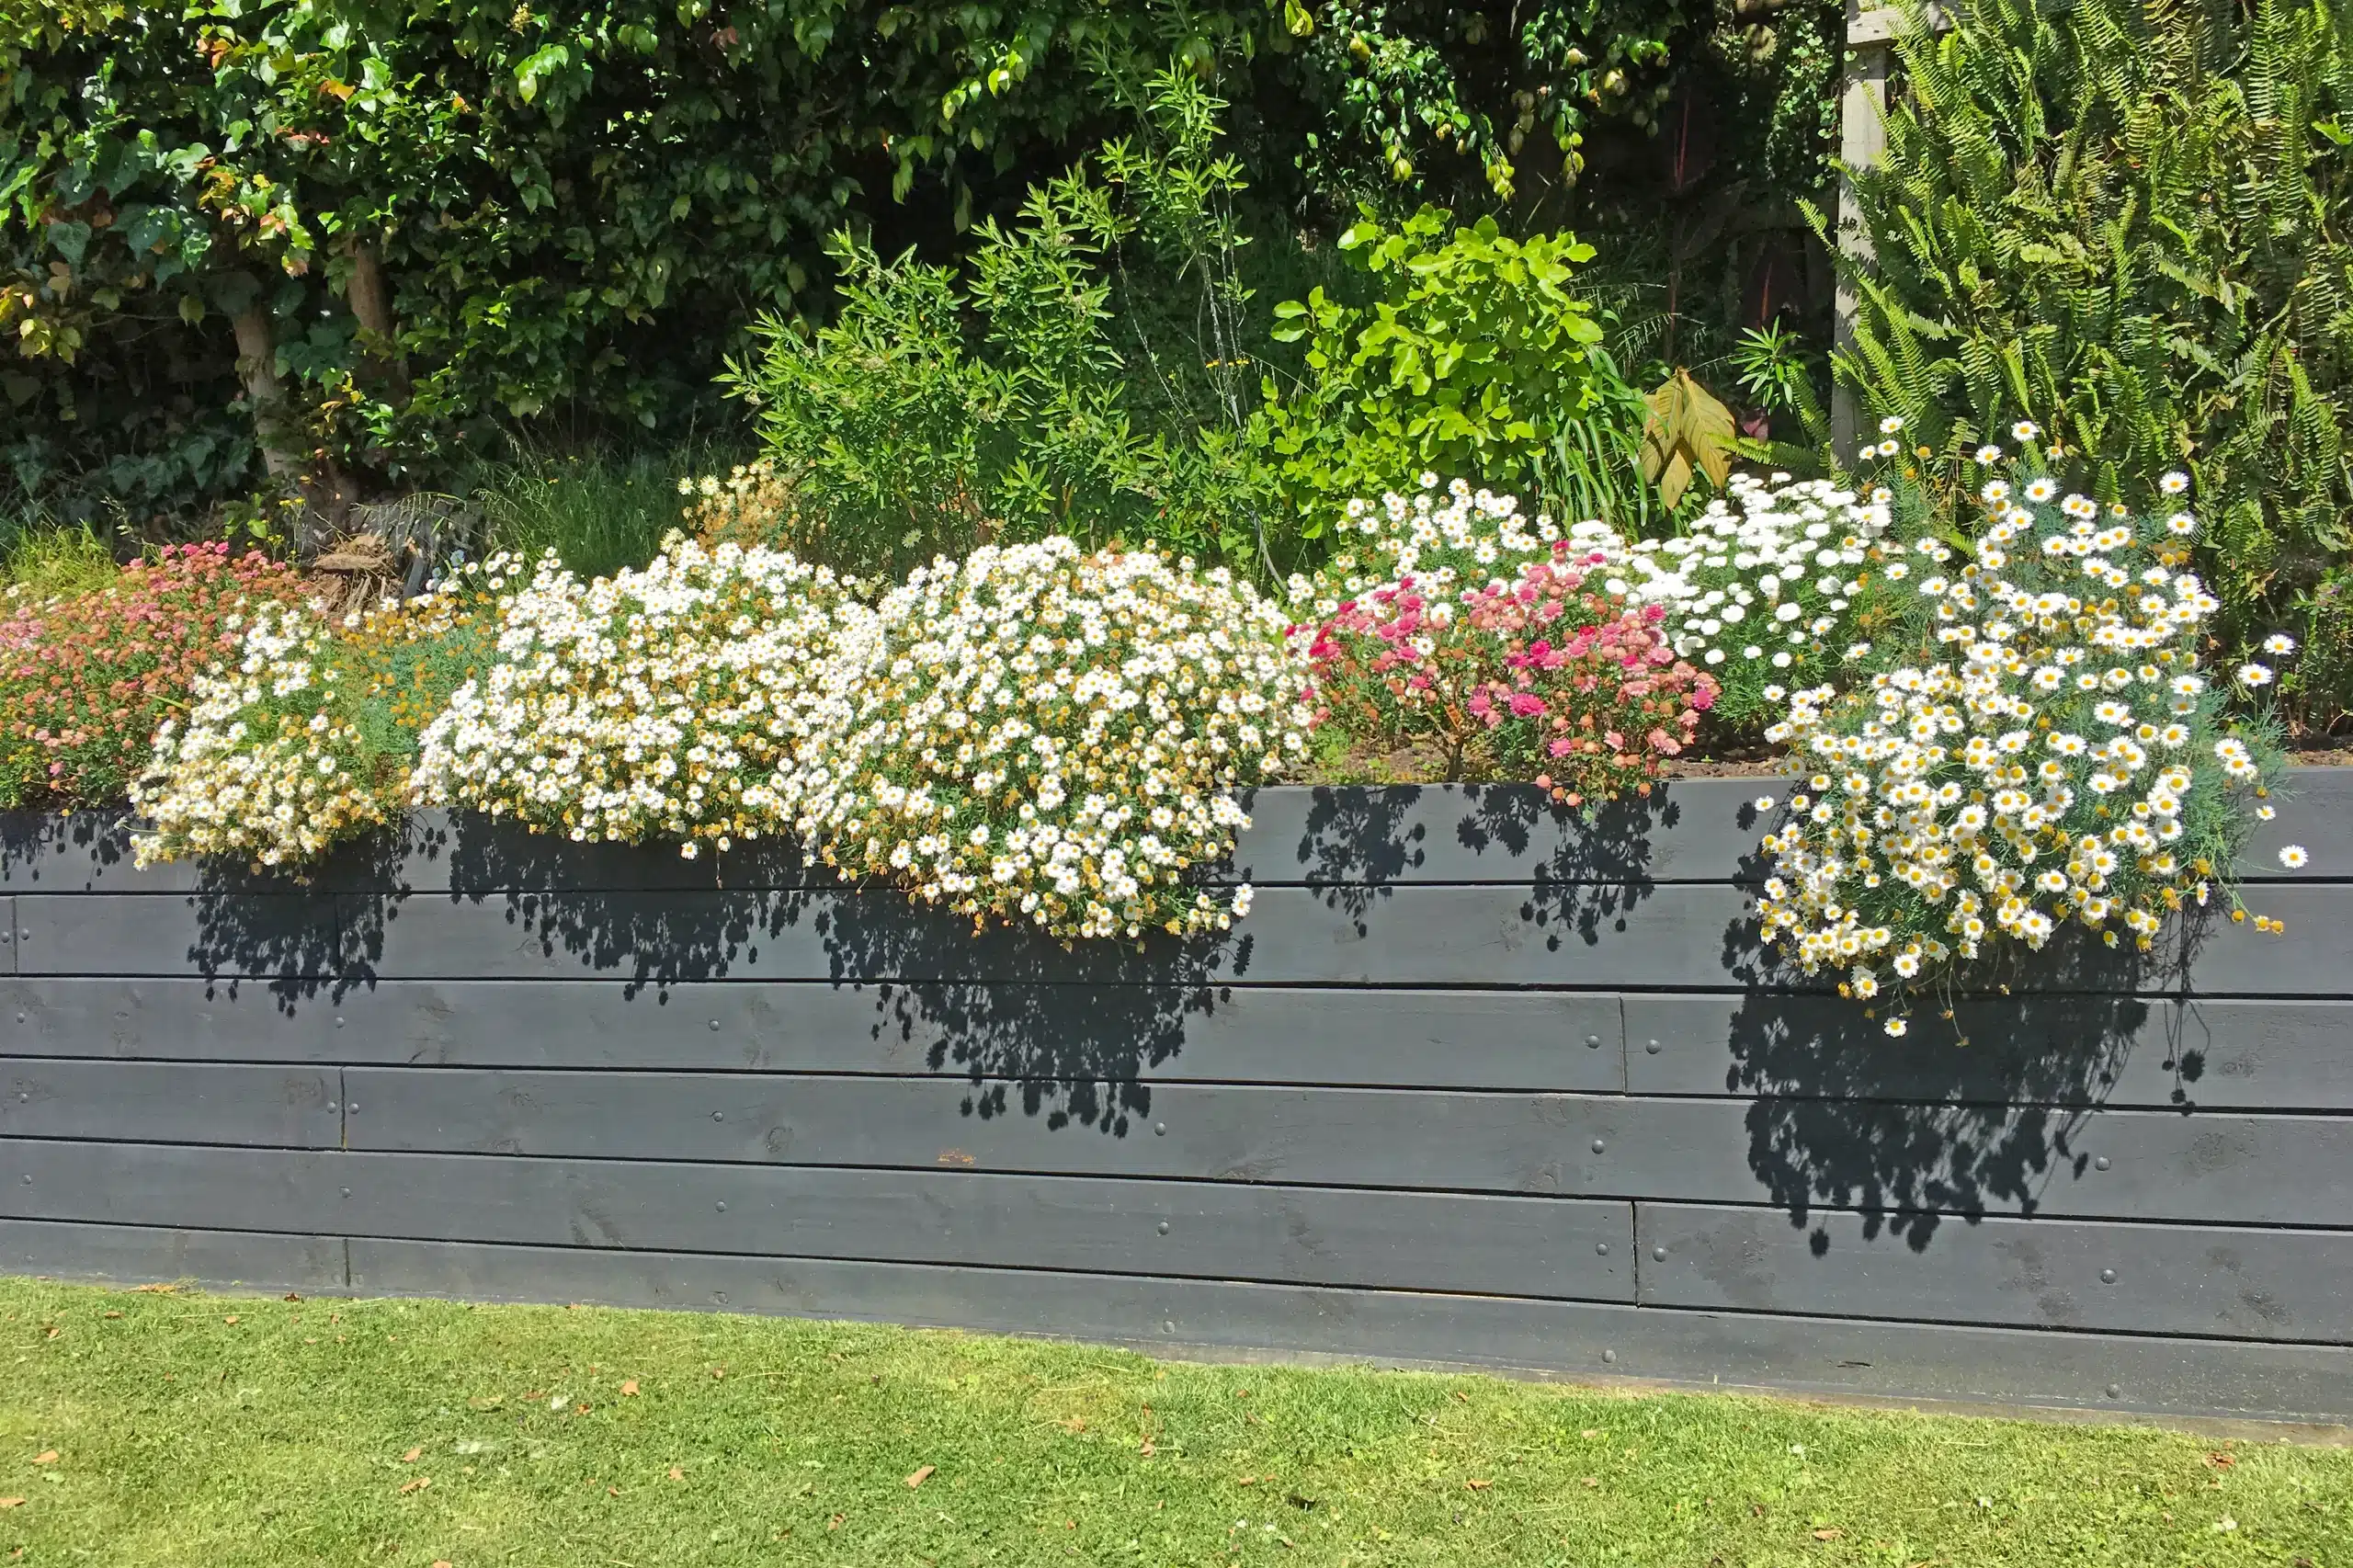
pixel 1627 1096
pixel 1605 1197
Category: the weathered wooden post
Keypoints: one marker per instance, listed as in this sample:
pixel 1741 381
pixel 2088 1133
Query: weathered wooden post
pixel 1871 29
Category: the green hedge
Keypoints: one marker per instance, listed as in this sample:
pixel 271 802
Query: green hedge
pixel 373 230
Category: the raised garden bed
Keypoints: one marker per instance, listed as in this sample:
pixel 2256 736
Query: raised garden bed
pixel 1475 1082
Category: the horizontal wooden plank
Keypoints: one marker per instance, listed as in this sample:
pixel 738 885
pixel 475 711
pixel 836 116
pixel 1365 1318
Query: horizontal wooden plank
pixel 1794 1155
pixel 1587 1341
pixel 1665 937
pixel 171 1102
pixel 2058 1049
pixel 81 852
pixel 142 1255
pixel 268 934
pixel 1425 1139
pixel 1798 1155
pixel 1539 1246
pixel 1688 829
pixel 1501 1039
pixel 2243 1283
pixel 2315 810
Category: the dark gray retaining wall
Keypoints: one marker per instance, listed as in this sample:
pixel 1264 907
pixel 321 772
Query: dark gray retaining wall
pixel 1475 1082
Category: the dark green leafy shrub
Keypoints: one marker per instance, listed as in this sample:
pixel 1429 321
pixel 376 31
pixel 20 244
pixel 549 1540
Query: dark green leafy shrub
pixel 2132 221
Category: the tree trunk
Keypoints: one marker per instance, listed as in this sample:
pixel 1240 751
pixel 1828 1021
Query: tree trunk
pixel 257 365
pixel 371 306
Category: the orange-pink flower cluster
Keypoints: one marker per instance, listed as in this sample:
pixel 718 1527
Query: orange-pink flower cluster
pixel 85 678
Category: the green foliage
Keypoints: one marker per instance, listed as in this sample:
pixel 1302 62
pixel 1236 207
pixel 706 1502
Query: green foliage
pixel 946 406
pixel 370 229
pixel 599 512
pixel 1690 433
pixel 1475 359
pixel 2132 221
pixel 47 560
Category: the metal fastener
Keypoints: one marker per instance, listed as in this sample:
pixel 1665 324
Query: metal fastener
pixel 1601 1249
pixel 1652 1048
pixel 2100 1164
pixel 353 1108
pixel 1164 1227
pixel 346 1191
pixel 1598 1146
pixel 1658 1254
pixel 1593 1042
pixel 2107 1277
pixel 338 1023
pixel 722 1208
pixel 719 1116
pixel 2114 1391
pixel 1160 1130
pixel 1609 1355
pixel 1168 1327
pixel 714 1026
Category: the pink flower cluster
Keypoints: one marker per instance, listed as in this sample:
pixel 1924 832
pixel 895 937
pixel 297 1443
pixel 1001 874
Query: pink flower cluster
pixel 86 678
pixel 1539 677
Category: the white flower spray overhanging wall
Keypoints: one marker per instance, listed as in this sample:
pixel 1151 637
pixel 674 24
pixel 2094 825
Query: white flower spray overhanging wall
pixel 2052 754
pixel 1032 735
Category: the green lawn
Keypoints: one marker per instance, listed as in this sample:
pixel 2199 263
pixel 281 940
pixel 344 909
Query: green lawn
pixel 186 1429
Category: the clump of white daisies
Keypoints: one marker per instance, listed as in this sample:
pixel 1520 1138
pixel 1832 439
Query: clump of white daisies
pixel 1033 734
pixel 676 701
pixel 1048 737
pixel 1760 592
pixel 2038 747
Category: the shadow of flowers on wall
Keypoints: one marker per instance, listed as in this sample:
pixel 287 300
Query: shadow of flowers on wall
pixel 1975 1109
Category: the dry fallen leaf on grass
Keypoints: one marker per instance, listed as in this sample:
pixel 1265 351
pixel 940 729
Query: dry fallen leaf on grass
pixel 419 1485
pixel 413 1455
pixel 11 1502
pixel 114 1314
pixel 677 1474
pixel 230 1319
pixel 835 1522
pixel 628 1388
pixel 919 1477
pixel 1828 1534
pixel 47 1456
pixel 2221 1461
pixel 1478 1485
pixel 441 1563
pixel 154 1289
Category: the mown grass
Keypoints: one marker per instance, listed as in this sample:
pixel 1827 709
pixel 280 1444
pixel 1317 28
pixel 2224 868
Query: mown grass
pixel 184 1429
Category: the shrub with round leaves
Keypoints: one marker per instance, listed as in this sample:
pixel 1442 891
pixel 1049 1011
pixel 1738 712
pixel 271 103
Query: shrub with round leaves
pixel 672 701
pixel 1046 737
pixel 2038 746
pixel 309 737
